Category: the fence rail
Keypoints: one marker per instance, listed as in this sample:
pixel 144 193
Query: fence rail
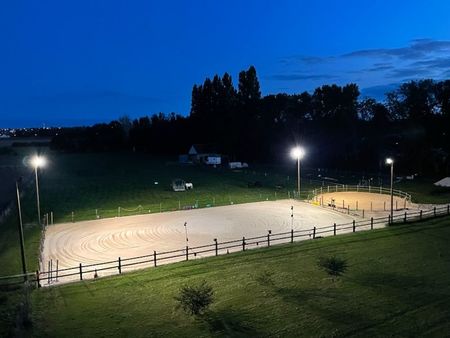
pixel 359 188
pixel 82 271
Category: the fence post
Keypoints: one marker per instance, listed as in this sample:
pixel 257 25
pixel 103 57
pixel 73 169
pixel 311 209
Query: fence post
pixel 120 265
pixel 48 273
pixel 354 226
pixel 154 259
pixel 404 219
pixel 371 207
pixel 37 279
pixel 384 206
pixel 389 219
pixel 57 269
pixel 314 233
pixel 216 246
pixel 356 205
pixel 348 209
pixel 363 213
pixel 371 223
pixel 243 243
pixel 268 237
pixel 420 216
pixel 81 272
pixel 434 211
pixel 334 229
pixel 187 253
pixel 343 206
pixel 292 235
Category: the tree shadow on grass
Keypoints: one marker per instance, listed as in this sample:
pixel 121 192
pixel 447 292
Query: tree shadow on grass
pixel 230 323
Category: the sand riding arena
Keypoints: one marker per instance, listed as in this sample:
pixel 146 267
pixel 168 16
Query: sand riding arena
pixel 89 244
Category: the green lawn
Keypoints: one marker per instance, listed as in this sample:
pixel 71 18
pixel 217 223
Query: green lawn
pixel 398 284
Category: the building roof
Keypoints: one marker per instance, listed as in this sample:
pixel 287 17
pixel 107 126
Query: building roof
pixel 203 149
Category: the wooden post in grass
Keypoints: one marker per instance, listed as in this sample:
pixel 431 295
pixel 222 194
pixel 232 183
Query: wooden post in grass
pixel 216 246
pixel 356 205
pixel 334 229
pixel 120 265
pixel 343 205
pixel 348 209
pixel 154 259
pixel 314 233
pixel 384 206
pixel 363 213
pixel 243 243
pixel 404 218
pixel 81 272
pixel 48 273
pixel 354 226
pixel 389 219
pixel 57 269
pixel 187 253
pixel 371 223
pixel 292 235
pixel 268 237
pixel 371 207
pixel 37 279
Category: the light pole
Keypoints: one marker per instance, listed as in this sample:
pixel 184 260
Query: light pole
pixel 22 249
pixel 185 230
pixel 297 153
pixel 292 217
pixel 390 161
pixel 38 161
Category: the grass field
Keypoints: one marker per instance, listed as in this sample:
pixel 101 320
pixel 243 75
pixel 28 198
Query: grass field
pixel 397 285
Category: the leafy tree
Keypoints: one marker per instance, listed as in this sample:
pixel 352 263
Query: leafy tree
pixel 333 266
pixel 195 300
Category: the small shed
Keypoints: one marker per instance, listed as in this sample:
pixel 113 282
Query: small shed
pixel 205 153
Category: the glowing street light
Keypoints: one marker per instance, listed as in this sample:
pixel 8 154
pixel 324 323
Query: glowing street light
pixel 390 162
pixel 38 162
pixel 297 153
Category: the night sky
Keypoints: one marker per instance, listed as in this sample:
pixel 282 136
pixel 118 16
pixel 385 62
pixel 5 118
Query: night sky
pixel 65 63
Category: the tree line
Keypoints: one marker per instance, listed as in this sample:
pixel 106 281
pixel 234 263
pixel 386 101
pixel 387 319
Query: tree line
pixel 337 127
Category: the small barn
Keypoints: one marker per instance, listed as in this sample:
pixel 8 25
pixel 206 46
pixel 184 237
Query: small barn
pixel 205 154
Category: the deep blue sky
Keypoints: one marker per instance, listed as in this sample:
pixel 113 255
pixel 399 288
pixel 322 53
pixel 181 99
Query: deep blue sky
pixel 81 62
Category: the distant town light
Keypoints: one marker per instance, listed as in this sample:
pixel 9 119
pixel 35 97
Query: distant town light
pixel 389 160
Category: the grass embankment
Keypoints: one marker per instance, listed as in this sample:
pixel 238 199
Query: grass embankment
pixel 398 283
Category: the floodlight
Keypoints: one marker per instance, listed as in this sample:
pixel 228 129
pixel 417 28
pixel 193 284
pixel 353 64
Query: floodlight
pixel 297 153
pixel 389 160
pixel 38 161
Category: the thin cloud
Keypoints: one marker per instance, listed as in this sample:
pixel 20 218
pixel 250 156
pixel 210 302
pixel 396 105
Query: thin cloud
pixel 296 77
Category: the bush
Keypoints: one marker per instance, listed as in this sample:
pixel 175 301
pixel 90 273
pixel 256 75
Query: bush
pixel 334 266
pixel 196 299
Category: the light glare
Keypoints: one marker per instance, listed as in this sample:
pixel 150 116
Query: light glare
pixel 389 161
pixel 38 161
pixel 297 153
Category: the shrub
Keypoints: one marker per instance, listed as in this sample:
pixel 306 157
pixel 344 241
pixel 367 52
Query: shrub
pixel 196 299
pixel 334 266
